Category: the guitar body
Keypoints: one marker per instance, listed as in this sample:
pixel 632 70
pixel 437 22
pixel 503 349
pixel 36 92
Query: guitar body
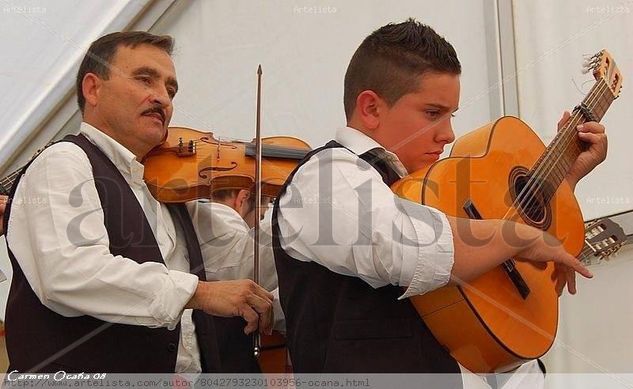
pixel 486 324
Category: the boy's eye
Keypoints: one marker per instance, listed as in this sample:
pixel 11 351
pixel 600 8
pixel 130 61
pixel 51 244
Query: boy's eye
pixel 433 114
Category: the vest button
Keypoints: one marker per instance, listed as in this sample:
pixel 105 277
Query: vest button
pixel 171 347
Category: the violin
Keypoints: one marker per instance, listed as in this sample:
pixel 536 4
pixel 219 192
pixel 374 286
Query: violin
pixel 192 164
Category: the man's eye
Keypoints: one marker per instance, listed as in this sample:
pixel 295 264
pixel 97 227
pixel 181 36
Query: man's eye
pixel 171 92
pixel 145 80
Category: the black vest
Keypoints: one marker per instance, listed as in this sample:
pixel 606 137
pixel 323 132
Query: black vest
pixel 39 339
pixel 340 324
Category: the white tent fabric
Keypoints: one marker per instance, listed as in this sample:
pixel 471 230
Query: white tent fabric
pixel 304 48
pixel 551 37
pixel 42 44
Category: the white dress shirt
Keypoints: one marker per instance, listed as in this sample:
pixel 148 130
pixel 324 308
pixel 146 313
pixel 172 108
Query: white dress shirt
pixel 74 273
pixel 226 242
pixel 340 214
pixel 375 235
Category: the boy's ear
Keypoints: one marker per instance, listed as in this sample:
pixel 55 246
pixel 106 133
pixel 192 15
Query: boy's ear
pixel 368 109
pixel 241 201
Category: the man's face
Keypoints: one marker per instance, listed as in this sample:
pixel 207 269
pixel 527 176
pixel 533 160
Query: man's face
pixel 418 126
pixel 134 105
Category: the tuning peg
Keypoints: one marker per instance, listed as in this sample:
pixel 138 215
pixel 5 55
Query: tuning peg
pixel 589 65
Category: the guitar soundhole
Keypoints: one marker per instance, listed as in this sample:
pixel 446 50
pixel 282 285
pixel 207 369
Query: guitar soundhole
pixel 531 199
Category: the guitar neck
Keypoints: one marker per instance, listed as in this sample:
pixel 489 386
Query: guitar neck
pixel 586 254
pixel 555 162
pixel 6 183
pixel 603 238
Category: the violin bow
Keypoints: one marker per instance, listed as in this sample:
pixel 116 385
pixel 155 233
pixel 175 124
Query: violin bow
pixel 258 198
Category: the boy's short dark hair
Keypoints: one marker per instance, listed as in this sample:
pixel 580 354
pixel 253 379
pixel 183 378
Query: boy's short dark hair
pixel 99 56
pixel 391 59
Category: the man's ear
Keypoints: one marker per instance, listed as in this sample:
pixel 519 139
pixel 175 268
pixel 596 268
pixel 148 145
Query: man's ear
pixel 90 87
pixel 241 201
pixel 368 109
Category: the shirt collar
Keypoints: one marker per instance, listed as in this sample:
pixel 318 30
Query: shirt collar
pixel 360 143
pixel 356 141
pixel 122 158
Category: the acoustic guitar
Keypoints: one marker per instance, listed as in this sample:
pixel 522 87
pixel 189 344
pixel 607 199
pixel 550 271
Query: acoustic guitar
pixel 603 238
pixel 6 183
pixel 504 171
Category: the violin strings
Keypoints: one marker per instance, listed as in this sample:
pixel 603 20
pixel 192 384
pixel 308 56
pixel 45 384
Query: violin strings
pixel 199 144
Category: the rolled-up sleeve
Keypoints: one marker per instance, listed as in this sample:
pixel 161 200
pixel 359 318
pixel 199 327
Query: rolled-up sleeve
pixel 340 214
pixel 435 251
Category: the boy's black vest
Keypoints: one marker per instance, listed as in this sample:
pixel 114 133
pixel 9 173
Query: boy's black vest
pixel 340 324
pixel 39 339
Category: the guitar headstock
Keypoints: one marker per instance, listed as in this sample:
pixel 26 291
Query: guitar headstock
pixel 604 237
pixel 603 67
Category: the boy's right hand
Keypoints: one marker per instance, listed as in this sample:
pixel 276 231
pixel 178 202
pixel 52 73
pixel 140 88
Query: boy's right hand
pixel 547 248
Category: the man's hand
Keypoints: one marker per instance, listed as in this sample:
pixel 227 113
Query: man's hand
pixel 3 205
pixel 593 134
pixel 236 298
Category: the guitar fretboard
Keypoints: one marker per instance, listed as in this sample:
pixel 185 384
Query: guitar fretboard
pixel 553 165
pixel 6 183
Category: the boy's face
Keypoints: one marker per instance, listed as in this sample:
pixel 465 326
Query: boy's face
pixel 418 125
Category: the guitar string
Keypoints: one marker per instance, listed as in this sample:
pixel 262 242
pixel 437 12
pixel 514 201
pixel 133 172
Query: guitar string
pixel 570 136
pixel 547 165
pixel 565 140
pixel 528 197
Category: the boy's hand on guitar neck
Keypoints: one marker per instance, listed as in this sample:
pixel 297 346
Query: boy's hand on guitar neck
pixel 593 134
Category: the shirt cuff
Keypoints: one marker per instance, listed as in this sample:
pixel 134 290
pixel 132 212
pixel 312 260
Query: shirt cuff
pixel 170 301
pixel 280 319
pixel 435 260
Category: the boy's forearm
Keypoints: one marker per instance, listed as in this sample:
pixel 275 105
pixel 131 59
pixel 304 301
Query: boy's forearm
pixel 481 245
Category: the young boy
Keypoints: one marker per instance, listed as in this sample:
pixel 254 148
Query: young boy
pixel 345 246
